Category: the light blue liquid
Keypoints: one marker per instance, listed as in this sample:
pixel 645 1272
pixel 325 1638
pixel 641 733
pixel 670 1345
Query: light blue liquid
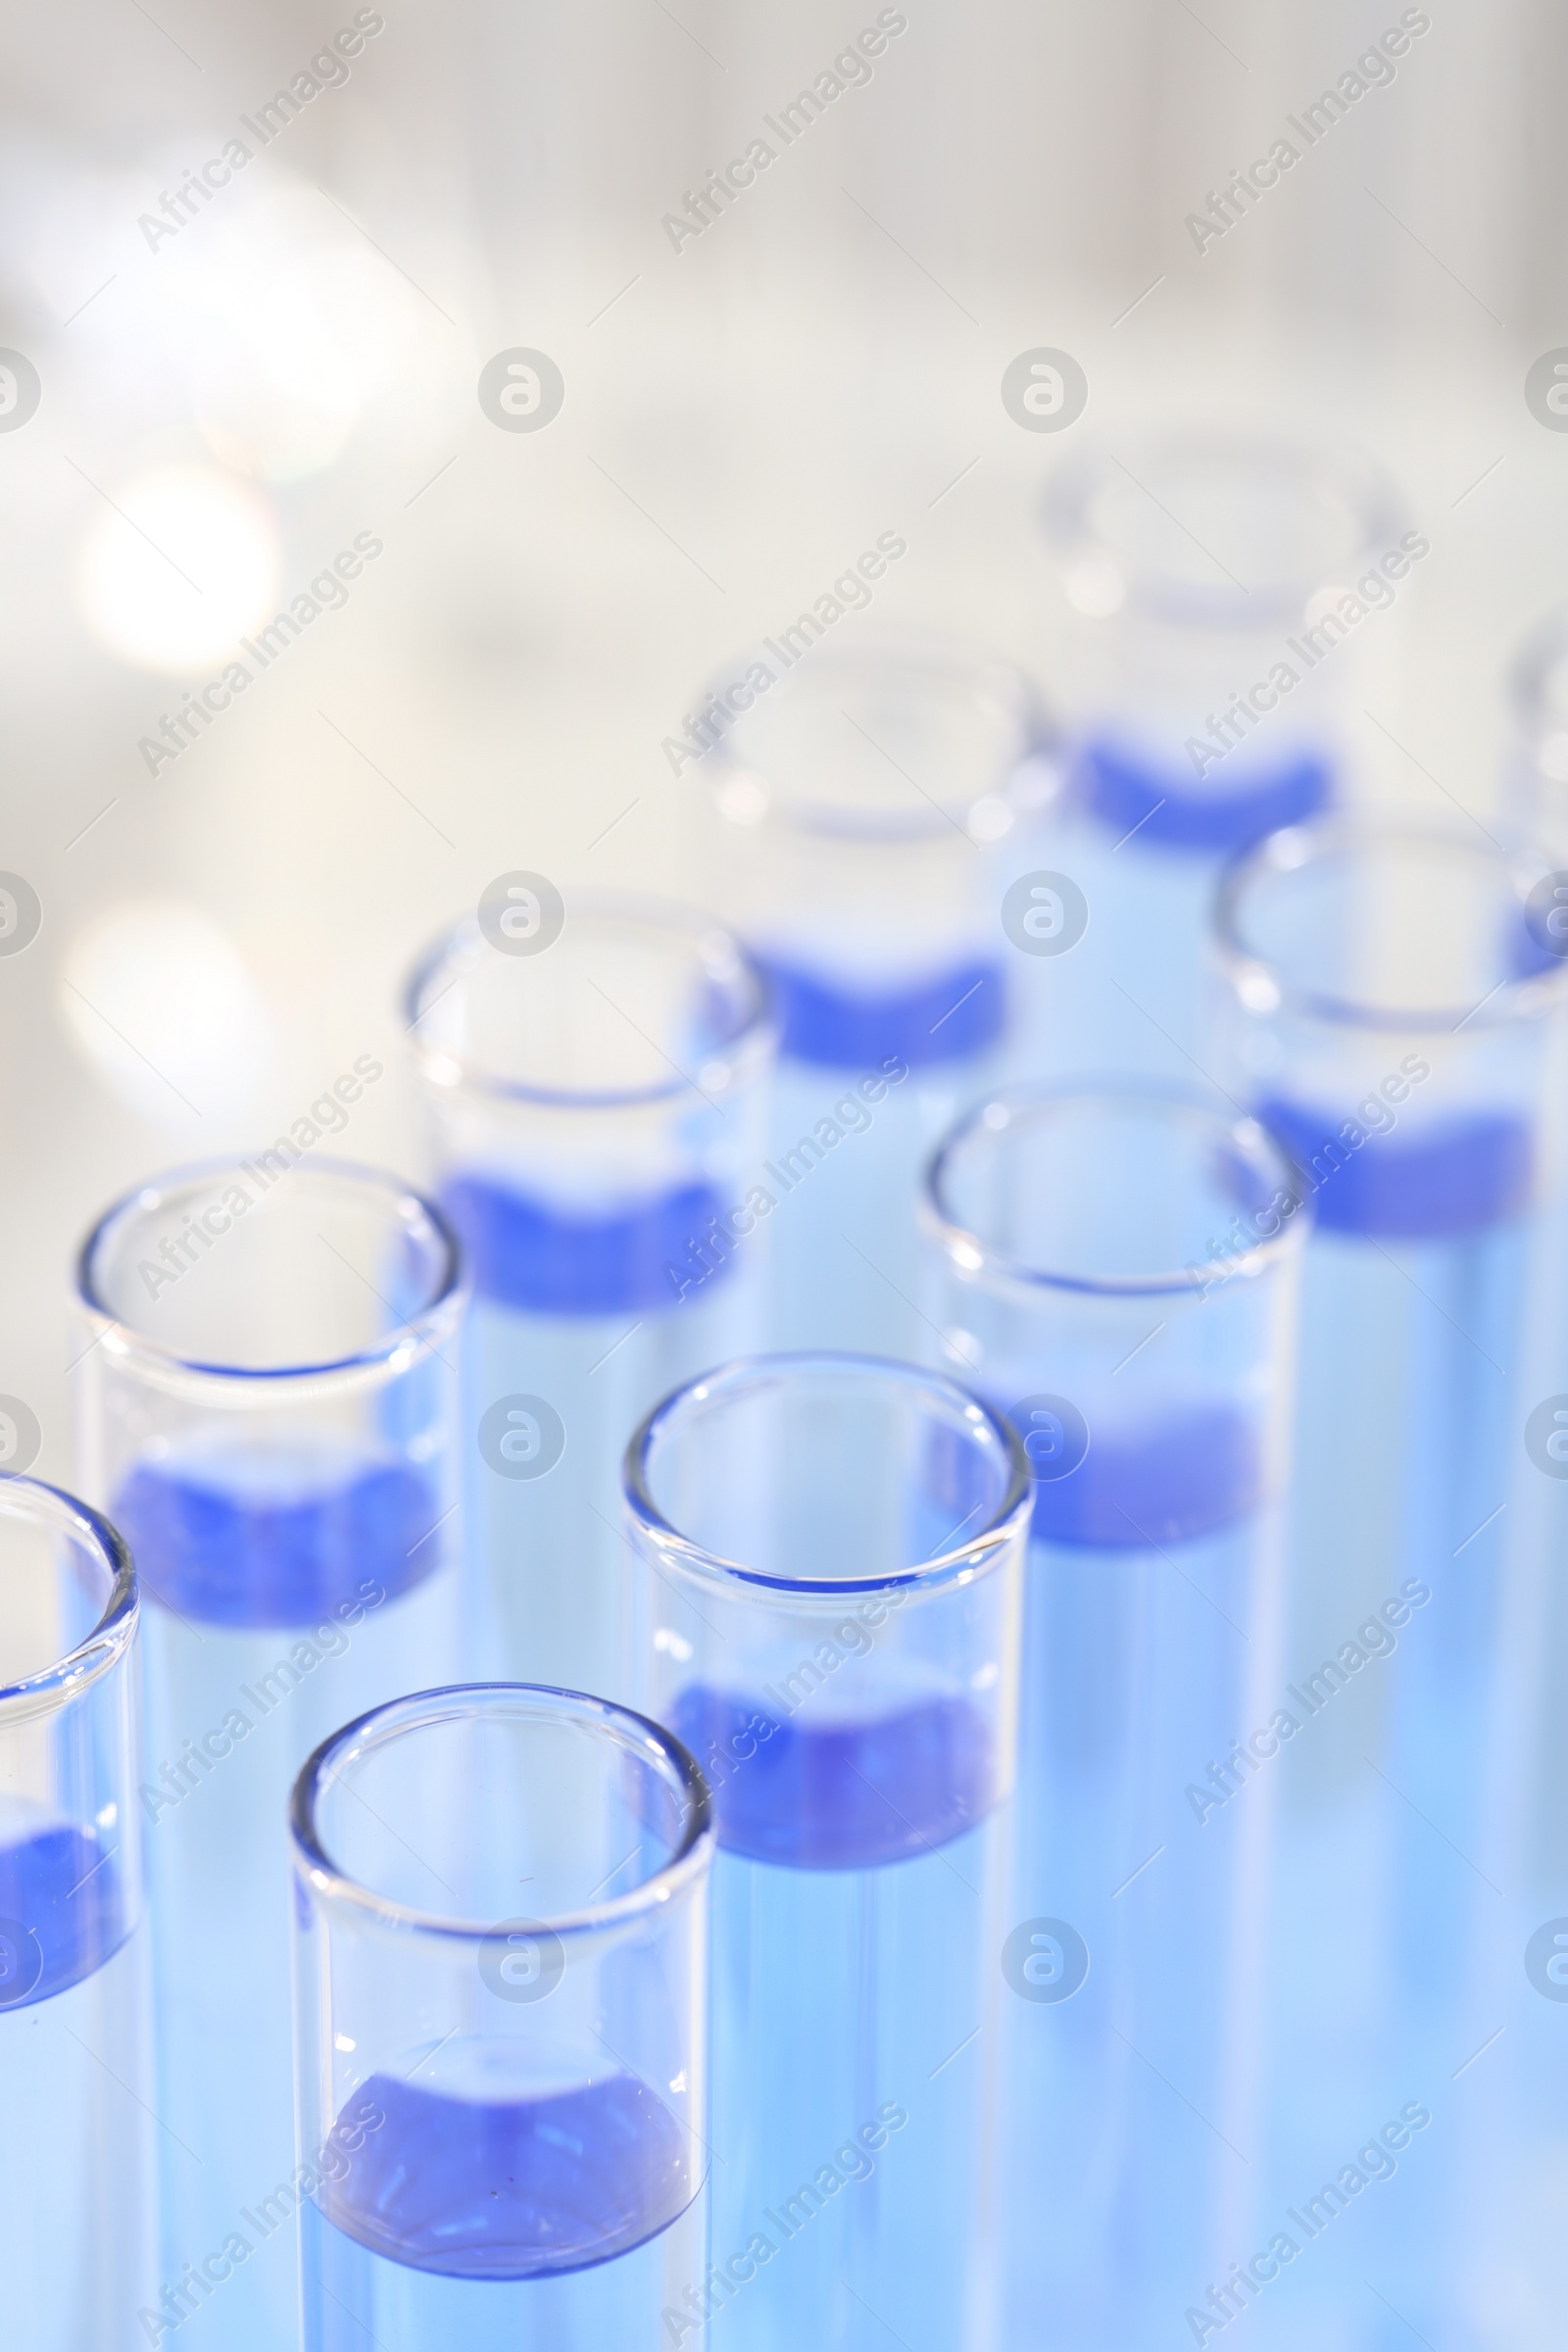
pixel 366 2299
pixel 1145 845
pixel 1506 2218
pixel 218 1864
pixel 844 1173
pixel 854 2043
pixel 1392 1904
pixel 77 2154
pixel 1130 2105
pixel 547 1556
pixel 1130 995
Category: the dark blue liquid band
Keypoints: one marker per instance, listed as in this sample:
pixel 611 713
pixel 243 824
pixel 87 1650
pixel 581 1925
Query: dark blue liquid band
pixel 1190 1473
pixel 1459 1175
pixel 226 1557
pixel 514 2188
pixel 949 1018
pixel 1127 794
pixel 524 1255
pixel 837 1795
pixel 62 1914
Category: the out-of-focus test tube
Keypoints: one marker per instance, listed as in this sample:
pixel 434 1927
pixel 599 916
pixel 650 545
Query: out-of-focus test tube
pixel 1116 1268
pixel 1510 2196
pixel 1223 590
pixel 500 1953
pixel 268 1400
pixel 76 2159
pixel 828 1607
pixel 1388 1013
pixel 597 1097
pixel 1535 775
pixel 864 806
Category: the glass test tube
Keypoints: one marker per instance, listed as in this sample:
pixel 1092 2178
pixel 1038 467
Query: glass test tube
pixel 832 1552
pixel 1516 2257
pixel 598 1114
pixel 1385 1014
pixel 267 1404
pixel 1221 589
pixel 76 2159
pixel 861 806
pixel 1536 772
pixel 1116 1268
pixel 502 2071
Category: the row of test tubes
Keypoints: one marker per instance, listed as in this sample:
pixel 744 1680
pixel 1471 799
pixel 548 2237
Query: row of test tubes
pixel 889 1669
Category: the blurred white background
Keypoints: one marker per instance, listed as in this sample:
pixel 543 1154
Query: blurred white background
pixel 226 409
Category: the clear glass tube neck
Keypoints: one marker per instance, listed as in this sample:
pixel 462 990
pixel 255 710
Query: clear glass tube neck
pixel 1407 929
pixel 270 1272
pixel 1216 531
pixel 635 1003
pixel 539 1731
pixel 798 1422
pixel 47 1535
pixel 1109 1189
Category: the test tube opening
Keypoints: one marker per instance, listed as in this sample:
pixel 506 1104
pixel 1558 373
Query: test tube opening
pixel 433 1810
pixel 780 1470
pixel 1210 531
pixel 897 740
pixel 1060 1189
pixel 268 1267
pixel 1111 1262
pixel 631 1003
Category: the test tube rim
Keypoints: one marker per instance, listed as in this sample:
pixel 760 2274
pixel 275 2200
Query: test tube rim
pixel 1351 471
pixel 1043 754
pixel 1252 975
pixel 334 1885
pixel 981 1551
pixel 64 1678
pixel 750 1046
pixel 976 1259
pixel 416 1337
